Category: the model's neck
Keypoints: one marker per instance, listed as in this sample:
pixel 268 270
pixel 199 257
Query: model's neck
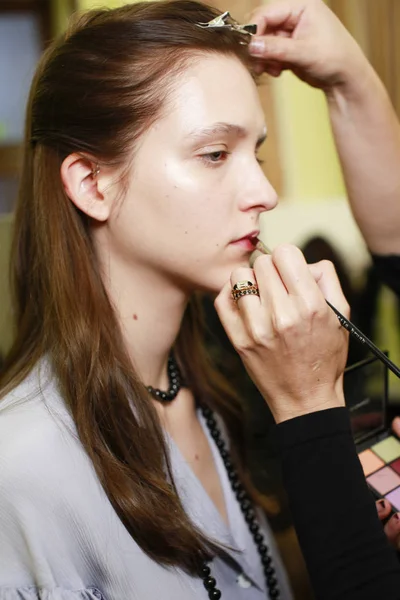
pixel 150 310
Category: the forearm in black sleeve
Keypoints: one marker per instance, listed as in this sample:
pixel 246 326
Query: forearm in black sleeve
pixel 342 539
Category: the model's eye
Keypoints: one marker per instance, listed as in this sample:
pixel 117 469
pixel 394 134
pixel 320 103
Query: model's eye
pixel 215 158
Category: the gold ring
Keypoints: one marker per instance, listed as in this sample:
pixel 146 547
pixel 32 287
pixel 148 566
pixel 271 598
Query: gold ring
pixel 241 285
pixel 244 288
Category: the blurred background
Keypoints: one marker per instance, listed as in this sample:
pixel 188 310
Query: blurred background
pixel 300 160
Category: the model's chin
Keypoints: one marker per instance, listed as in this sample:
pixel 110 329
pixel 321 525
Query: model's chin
pixel 215 284
pixel 244 261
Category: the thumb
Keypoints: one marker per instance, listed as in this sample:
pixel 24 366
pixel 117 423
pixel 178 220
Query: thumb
pixel 279 48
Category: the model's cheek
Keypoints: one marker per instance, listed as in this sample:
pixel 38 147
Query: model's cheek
pixel 185 197
pixel 189 175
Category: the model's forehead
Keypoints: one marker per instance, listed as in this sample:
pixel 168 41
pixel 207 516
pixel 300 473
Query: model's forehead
pixel 212 92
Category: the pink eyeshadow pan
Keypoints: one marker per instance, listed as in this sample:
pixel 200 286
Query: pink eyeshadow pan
pixel 384 481
pixel 394 498
pixel 370 462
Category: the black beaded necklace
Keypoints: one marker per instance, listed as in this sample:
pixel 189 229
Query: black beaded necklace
pixel 239 490
pixel 175 382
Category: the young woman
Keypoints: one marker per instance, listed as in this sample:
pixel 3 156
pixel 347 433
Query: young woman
pixel 122 474
pixel 140 186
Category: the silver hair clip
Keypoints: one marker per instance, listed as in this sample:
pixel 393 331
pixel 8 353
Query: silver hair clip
pixel 220 23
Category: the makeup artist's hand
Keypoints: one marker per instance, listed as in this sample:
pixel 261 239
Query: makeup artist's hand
pixel 290 341
pixel 392 527
pixel 306 37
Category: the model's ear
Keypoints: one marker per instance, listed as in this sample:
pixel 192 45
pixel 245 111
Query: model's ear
pixel 84 184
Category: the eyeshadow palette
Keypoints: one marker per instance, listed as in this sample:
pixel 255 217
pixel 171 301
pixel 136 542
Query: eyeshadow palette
pixel 366 392
pixel 381 465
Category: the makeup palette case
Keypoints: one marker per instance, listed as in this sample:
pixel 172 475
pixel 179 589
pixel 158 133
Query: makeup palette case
pixel 366 386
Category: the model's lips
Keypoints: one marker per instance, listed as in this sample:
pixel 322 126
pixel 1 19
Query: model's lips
pixel 252 237
pixel 248 242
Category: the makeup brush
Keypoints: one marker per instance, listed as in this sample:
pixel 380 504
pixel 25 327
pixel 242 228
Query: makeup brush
pixel 351 328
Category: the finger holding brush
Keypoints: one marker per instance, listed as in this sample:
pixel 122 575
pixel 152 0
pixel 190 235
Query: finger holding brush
pixel 290 341
pixel 261 249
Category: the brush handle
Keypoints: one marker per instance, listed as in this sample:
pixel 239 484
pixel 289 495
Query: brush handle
pixel 358 335
pixel 261 247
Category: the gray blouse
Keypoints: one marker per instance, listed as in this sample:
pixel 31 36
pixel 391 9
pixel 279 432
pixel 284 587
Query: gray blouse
pixel 60 538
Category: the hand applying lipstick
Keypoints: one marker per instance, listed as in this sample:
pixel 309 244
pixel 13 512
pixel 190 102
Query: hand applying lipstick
pixel 261 248
pixel 289 340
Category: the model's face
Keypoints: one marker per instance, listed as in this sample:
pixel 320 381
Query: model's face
pixel 195 185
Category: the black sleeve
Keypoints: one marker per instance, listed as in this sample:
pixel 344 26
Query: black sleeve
pixel 388 270
pixel 344 546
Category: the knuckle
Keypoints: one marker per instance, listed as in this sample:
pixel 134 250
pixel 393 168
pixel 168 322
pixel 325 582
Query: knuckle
pixel 315 311
pixel 285 324
pixel 243 346
pixel 260 335
pixel 219 304
pixel 218 301
pixel 327 265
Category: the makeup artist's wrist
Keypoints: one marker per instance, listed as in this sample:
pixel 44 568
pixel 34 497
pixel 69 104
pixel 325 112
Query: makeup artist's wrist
pixel 323 423
pixel 286 411
pixel 357 84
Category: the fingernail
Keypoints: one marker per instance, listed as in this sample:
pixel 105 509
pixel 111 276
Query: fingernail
pixel 381 506
pixel 256 47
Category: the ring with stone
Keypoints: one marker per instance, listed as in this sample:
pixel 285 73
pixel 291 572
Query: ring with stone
pixel 244 288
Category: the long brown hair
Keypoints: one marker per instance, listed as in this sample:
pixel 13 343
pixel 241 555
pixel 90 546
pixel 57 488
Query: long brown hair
pixel 95 91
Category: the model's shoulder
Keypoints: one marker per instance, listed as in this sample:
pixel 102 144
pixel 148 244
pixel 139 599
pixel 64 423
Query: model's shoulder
pixel 36 430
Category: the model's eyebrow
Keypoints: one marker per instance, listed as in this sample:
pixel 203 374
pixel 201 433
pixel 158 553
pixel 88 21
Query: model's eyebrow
pixel 225 129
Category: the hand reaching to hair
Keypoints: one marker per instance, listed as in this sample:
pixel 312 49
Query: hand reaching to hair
pixel 306 37
pixel 290 341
